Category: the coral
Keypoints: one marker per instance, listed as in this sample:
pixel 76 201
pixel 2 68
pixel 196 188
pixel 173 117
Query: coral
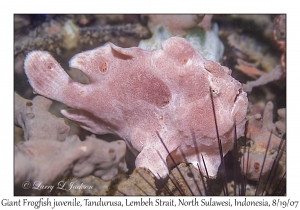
pixel 138 94
pixel 175 24
pixel 281 124
pixel 140 182
pixel 48 153
pixel 259 35
pixel 262 64
pixel 179 24
pixel 279 34
pixel 35 120
pixel 248 48
pixel 18 134
pixel 249 189
pixel 57 35
pixel 206 22
pixel 188 181
pixel 274 75
pixel 249 69
pixel 49 161
pixel 92 185
pixel 266 147
pixel 262 23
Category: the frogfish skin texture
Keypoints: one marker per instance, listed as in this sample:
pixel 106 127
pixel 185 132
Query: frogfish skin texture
pixel 136 94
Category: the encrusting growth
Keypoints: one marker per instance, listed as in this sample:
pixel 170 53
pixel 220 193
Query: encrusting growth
pixel 264 159
pixel 49 161
pixel 48 154
pixel 36 122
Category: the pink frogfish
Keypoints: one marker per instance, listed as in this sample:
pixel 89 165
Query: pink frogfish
pixel 143 95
